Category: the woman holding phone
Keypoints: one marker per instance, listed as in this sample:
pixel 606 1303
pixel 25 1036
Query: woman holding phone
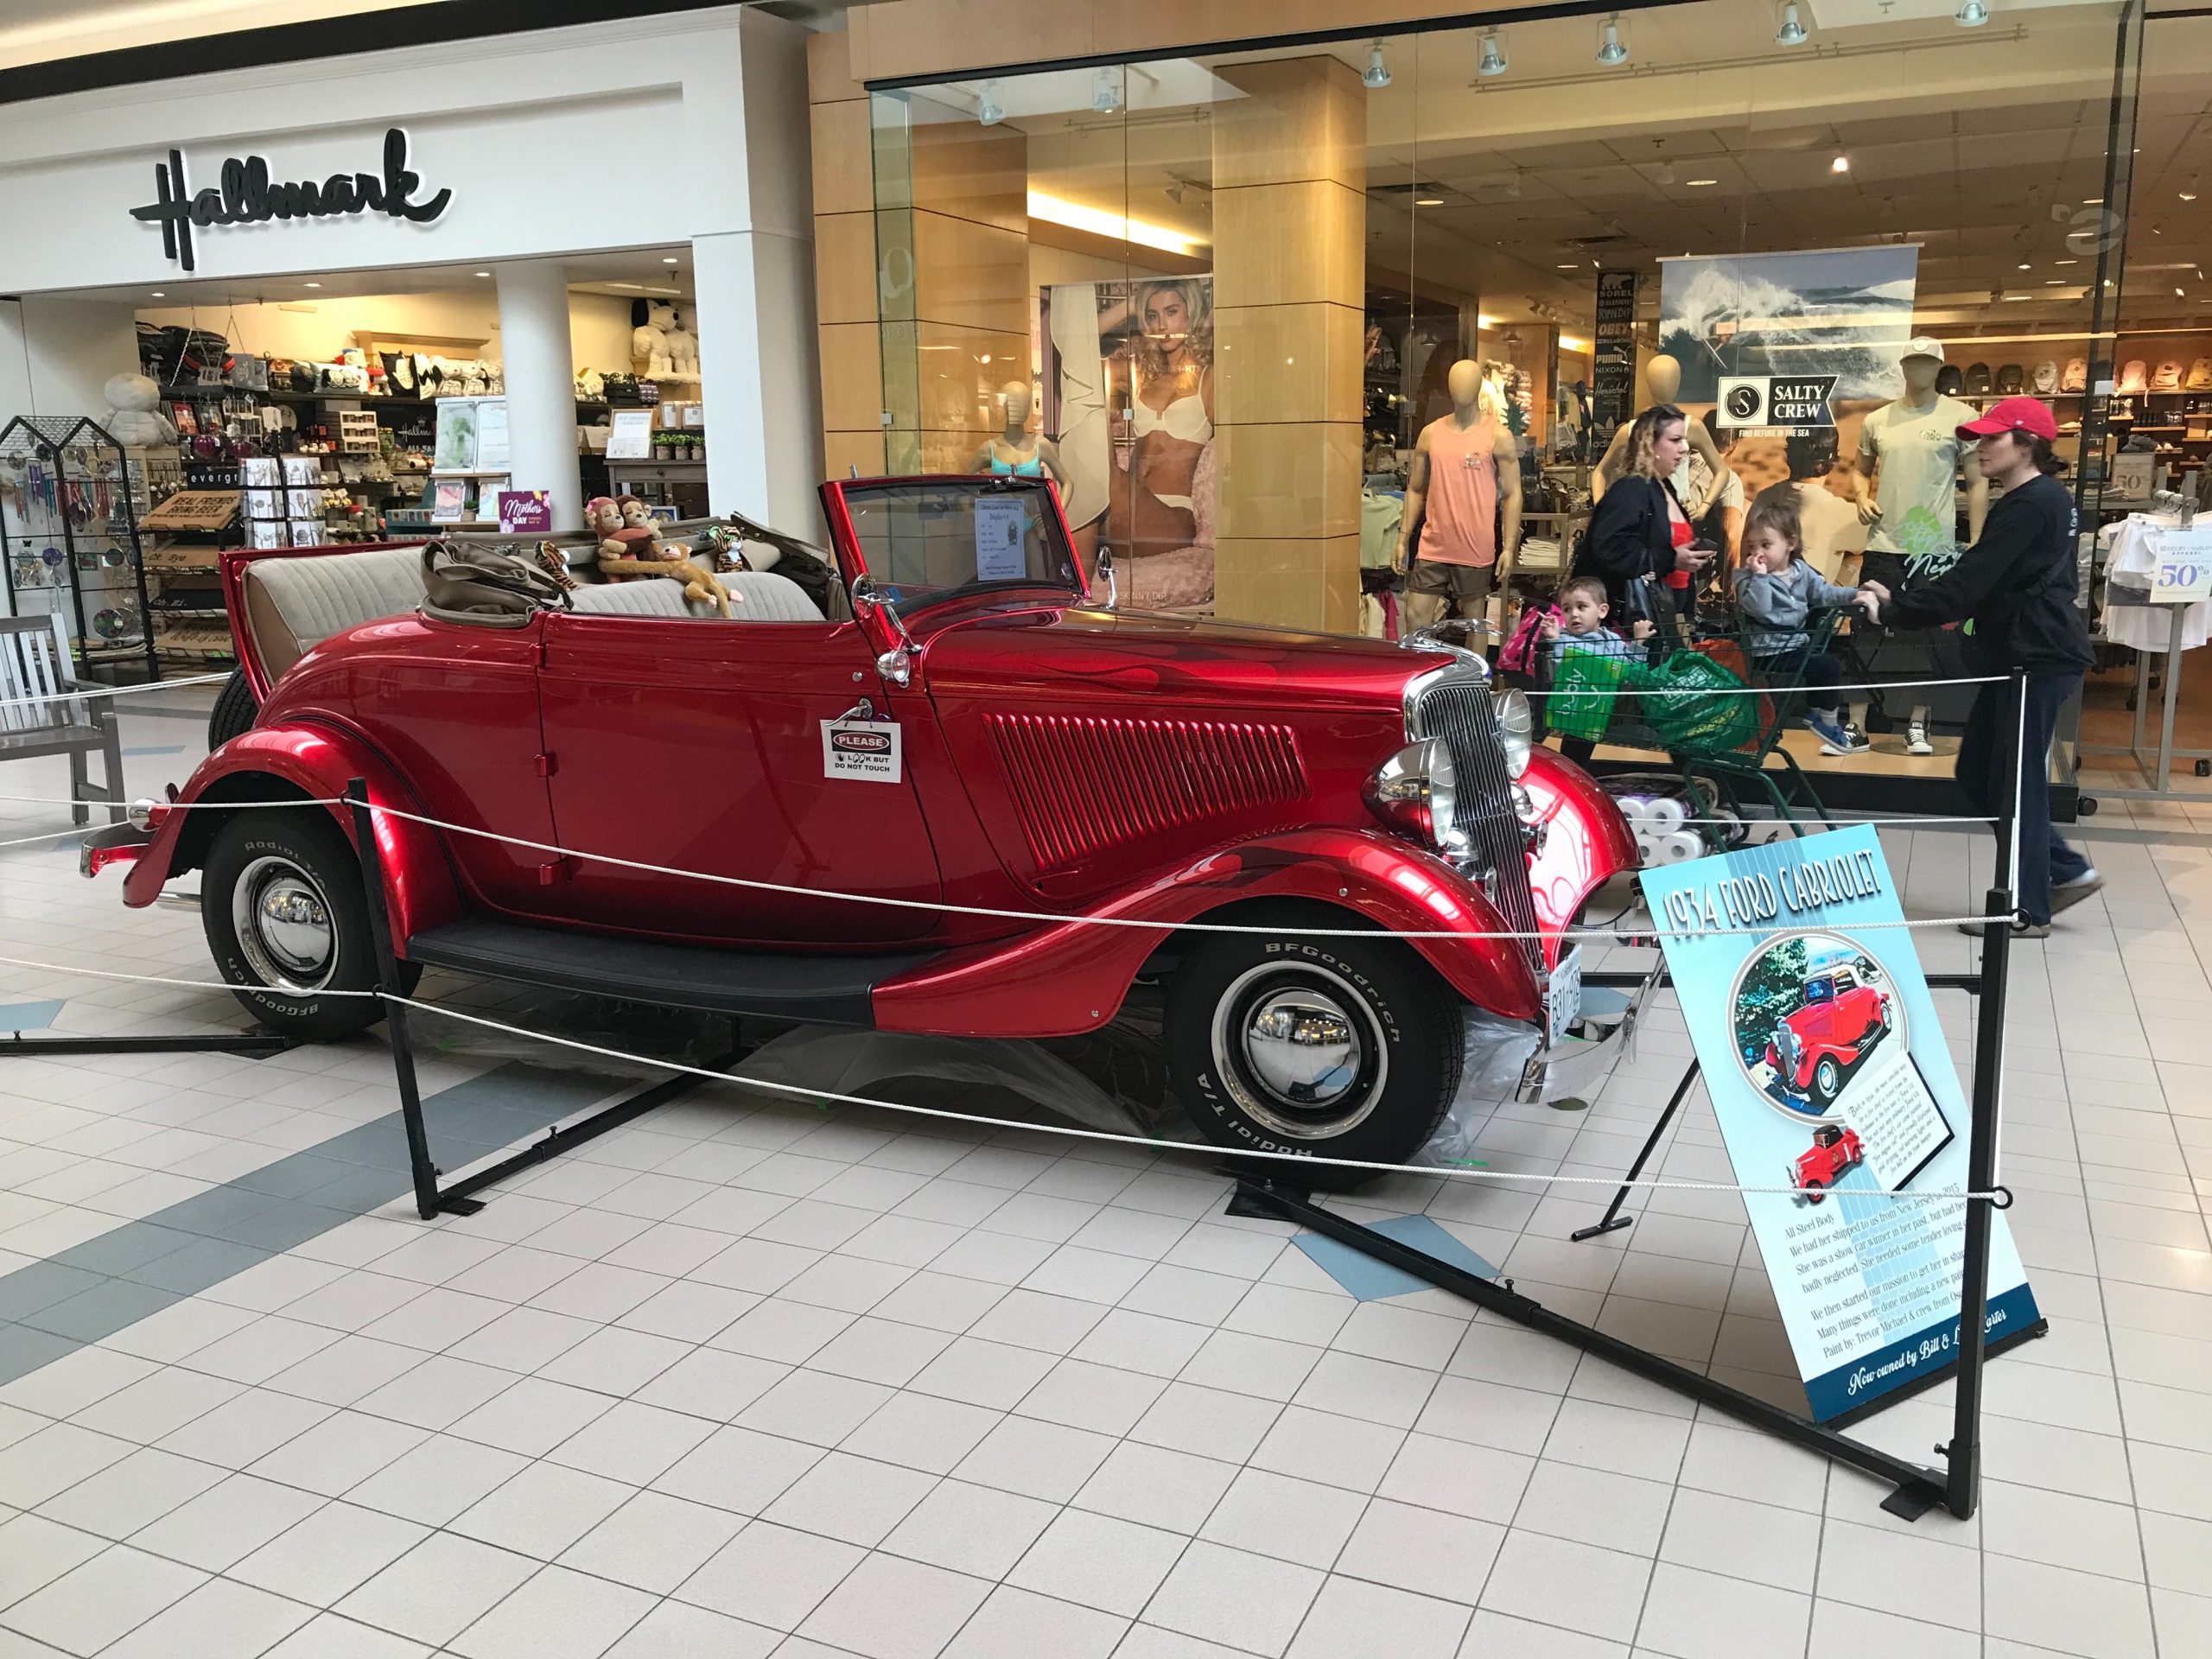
pixel 2017 585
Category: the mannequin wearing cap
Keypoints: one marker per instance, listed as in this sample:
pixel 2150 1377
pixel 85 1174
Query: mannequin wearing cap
pixel 1018 452
pixel 1915 447
pixel 1465 480
pixel 1663 379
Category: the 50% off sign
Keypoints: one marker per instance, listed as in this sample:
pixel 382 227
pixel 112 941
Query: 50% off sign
pixel 2183 569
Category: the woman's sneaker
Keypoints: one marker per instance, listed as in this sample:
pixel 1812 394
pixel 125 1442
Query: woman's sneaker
pixel 1915 739
pixel 1836 739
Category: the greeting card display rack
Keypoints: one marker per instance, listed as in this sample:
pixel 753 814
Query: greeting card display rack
pixel 69 537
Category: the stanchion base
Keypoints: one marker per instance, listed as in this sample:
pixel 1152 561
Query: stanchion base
pixel 1914 1483
pixel 249 1043
pixel 1593 1232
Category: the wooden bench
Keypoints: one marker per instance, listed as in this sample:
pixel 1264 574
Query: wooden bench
pixel 39 715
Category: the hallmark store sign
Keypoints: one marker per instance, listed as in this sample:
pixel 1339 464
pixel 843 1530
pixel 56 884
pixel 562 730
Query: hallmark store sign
pixel 248 196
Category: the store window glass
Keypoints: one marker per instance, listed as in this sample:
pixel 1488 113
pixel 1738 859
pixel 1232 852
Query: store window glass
pixel 1250 282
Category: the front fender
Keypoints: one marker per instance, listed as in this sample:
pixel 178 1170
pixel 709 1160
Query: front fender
pixel 308 763
pixel 1586 842
pixel 1070 977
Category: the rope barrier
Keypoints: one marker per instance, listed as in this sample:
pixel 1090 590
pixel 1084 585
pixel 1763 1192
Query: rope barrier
pixel 83 695
pixel 157 979
pixel 1448 1171
pixel 56 835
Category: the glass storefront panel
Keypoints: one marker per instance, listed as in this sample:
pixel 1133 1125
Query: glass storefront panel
pixel 1244 281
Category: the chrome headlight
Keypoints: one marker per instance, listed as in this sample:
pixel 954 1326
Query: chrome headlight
pixel 1414 792
pixel 1517 729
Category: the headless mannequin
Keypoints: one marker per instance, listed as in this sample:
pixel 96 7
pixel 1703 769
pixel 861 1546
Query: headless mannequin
pixel 1920 395
pixel 1662 378
pixel 1468 390
pixel 1017 450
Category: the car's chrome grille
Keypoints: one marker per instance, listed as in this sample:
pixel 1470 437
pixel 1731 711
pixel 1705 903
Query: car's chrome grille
pixel 1457 709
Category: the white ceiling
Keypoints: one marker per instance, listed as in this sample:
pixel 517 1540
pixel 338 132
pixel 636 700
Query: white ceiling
pixel 39 31
pixel 1983 146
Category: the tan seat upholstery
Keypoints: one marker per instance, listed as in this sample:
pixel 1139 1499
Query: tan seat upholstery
pixel 756 597
pixel 294 604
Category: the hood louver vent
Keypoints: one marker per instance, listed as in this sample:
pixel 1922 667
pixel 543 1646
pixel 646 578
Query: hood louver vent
pixel 1083 782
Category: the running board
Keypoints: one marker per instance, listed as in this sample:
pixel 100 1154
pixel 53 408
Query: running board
pixel 829 990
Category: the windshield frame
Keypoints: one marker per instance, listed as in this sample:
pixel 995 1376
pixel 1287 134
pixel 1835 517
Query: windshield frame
pixel 844 499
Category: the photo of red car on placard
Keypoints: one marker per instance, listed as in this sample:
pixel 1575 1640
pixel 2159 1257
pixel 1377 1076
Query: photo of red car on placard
pixel 1836 1150
pixel 1808 1009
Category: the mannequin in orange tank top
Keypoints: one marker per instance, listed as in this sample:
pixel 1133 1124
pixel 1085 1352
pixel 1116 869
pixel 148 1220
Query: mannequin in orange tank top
pixel 1464 497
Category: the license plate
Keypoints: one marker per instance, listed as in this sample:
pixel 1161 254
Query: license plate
pixel 1563 1000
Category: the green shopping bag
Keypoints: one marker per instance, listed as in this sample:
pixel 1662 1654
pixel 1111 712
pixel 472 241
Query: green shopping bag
pixel 1584 691
pixel 1695 704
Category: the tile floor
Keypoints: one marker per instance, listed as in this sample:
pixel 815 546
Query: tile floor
pixel 742 1379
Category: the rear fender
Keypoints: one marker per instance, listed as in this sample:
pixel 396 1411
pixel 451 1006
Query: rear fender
pixel 1072 976
pixel 304 763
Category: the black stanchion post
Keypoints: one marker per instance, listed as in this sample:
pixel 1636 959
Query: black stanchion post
pixel 402 1055
pixel 1963 1486
pixel 1613 1221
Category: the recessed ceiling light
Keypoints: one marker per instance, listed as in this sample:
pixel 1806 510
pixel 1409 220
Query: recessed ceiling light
pixel 2092 201
pixel 159 295
pixel 1428 202
pixel 1841 164
pixel 1699 184
pixel 669 260
pixel 483 273
pixel 2066 262
pixel 2054 282
pixel 1572 264
pixel 310 284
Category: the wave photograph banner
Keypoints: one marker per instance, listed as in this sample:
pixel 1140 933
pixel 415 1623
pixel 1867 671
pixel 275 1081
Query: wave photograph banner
pixel 1839 313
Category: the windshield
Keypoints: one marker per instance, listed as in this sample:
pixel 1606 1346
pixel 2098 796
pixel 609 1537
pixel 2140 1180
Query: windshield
pixel 1818 990
pixel 926 543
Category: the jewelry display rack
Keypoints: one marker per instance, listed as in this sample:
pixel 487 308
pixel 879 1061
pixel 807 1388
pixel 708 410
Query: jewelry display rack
pixel 68 525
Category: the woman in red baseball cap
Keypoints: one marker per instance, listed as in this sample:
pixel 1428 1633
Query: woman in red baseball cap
pixel 2017 585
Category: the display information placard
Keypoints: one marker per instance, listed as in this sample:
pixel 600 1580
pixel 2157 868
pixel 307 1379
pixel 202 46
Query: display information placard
pixel 1829 1074
pixel 631 437
pixel 2182 574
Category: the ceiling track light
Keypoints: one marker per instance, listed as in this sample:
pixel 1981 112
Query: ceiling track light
pixel 1971 14
pixel 1378 69
pixel 1792 32
pixel 1612 47
pixel 1106 90
pixel 989 111
pixel 1493 58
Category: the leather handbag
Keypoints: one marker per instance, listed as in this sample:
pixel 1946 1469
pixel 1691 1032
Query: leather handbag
pixel 462 583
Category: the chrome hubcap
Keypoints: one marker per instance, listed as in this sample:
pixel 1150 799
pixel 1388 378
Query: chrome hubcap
pixel 1303 1047
pixel 283 925
pixel 1300 1049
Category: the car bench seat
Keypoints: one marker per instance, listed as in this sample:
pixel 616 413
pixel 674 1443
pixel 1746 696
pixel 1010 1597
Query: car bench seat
pixel 294 604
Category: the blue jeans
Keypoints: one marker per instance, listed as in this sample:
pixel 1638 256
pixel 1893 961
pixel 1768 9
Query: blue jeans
pixel 1984 772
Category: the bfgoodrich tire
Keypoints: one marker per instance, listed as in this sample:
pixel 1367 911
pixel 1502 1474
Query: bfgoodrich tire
pixel 1321 1047
pixel 288 926
pixel 234 711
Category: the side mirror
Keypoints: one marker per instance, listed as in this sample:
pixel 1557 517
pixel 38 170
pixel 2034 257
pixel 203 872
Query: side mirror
pixel 1105 573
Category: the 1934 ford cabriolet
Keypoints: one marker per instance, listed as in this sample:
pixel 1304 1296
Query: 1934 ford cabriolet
pixel 942 782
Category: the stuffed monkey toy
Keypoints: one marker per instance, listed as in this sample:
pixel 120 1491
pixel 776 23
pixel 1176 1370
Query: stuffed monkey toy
pixel 630 545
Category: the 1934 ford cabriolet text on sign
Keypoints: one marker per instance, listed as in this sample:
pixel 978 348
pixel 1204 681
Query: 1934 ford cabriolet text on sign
pixel 948 787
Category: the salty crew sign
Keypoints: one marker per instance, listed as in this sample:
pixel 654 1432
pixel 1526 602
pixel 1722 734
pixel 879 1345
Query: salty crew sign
pixel 1830 1078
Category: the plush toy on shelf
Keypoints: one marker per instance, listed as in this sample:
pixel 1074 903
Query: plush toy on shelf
pixel 131 419
pixel 648 341
pixel 630 546
pixel 683 346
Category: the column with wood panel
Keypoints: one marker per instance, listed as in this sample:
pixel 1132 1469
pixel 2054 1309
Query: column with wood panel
pixel 848 318
pixel 1289 223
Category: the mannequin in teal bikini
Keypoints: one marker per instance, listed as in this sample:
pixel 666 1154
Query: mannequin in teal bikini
pixel 1018 452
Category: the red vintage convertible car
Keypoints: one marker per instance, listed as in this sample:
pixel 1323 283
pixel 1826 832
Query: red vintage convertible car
pixel 928 787
pixel 1843 1017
